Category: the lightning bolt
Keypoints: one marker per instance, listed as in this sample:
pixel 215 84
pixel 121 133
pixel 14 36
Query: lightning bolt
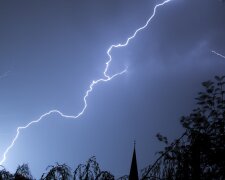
pixel 106 78
pixel 218 54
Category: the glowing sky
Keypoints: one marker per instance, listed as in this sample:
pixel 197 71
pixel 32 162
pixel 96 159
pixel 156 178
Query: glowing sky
pixel 50 52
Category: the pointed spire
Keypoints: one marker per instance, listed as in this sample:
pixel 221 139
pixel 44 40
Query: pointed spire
pixel 133 169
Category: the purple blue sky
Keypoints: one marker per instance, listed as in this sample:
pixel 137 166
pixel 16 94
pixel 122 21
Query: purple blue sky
pixel 51 51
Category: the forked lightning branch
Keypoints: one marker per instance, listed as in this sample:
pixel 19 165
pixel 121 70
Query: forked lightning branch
pixel 106 77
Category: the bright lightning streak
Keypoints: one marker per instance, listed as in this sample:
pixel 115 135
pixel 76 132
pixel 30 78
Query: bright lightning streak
pixel 131 37
pixel 218 54
pixel 104 79
pixel 60 113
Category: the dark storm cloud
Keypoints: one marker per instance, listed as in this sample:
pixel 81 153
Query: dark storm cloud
pixel 186 25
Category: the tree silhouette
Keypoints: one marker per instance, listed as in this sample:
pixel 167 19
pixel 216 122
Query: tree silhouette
pixel 199 152
pixel 105 175
pixel 23 173
pixel 4 174
pixel 91 171
pixel 57 172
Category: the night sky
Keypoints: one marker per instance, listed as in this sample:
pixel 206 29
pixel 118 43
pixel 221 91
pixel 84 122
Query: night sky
pixel 50 52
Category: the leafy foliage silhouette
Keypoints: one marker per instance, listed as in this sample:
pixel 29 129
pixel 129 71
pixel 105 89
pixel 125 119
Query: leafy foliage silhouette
pixel 4 174
pixel 57 172
pixel 91 171
pixel 23 173
pixel 199 152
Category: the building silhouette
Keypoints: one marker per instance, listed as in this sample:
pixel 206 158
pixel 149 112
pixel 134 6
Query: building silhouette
pixel 133 169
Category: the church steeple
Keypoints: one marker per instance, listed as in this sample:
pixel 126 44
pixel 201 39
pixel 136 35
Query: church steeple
pixel 133 169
